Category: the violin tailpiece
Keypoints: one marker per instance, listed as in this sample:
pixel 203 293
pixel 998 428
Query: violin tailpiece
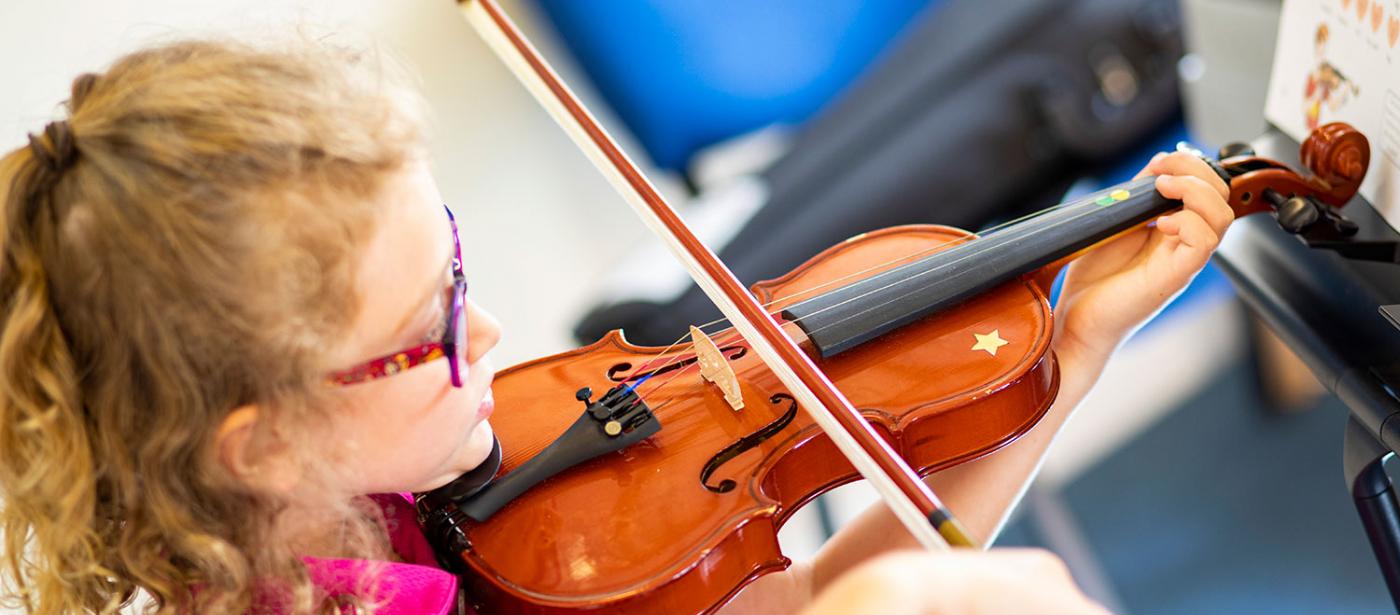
pixel 615 421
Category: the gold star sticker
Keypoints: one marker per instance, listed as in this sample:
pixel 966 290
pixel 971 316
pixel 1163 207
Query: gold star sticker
pixel 989 342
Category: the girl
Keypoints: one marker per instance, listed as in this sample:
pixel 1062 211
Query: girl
pixel 201 268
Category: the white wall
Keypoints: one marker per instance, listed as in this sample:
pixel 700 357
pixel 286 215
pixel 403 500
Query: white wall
pixel 532 205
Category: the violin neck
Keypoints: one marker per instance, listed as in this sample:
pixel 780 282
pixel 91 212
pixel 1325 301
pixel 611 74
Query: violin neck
pixel 844 318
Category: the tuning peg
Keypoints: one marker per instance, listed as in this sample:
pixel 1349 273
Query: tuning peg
pixel 585 395
pixel 1298 213
pixel 1344 226
pixel 1230 150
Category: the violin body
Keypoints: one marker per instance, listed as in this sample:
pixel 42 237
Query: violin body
pixel 679 522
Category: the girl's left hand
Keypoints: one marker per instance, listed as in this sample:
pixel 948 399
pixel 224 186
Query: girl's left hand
pixel 1117 286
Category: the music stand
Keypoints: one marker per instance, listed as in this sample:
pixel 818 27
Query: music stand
pixel 1338 307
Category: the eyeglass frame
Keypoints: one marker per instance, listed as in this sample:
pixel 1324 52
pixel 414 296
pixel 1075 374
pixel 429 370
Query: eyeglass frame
pixel 453 344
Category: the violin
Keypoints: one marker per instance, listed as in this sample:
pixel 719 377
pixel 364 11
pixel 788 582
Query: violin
pixel 664 491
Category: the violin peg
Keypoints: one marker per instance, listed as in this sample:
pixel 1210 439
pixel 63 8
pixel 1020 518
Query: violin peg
pixel 1298 213
pixel 1231 150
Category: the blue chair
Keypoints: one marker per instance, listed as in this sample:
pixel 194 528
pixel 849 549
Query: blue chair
pixel 685 74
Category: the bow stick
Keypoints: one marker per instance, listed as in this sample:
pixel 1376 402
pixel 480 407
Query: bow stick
pixel 913 503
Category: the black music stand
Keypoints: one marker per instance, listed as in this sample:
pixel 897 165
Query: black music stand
pixel 1339 309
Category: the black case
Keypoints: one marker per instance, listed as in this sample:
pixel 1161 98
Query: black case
pixel 981 111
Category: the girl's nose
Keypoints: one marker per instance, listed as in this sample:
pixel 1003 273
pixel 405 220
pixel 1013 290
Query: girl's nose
pixel 483 332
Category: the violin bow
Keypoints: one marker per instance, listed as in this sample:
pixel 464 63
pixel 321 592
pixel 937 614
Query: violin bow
pixel 911 500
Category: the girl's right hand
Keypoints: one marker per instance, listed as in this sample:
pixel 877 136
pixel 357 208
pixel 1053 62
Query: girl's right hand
pixel 960 581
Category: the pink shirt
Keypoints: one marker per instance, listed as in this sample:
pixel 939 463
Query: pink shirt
pixel 417 586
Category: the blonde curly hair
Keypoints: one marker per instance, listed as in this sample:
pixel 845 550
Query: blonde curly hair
pixel 180 245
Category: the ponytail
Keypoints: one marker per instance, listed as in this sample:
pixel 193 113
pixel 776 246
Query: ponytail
pixel 46 465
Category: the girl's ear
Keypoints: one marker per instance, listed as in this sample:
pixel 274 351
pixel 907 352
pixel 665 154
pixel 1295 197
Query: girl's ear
pixel 267 467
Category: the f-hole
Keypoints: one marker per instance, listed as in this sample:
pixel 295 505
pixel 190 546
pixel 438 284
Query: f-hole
pixel 745 443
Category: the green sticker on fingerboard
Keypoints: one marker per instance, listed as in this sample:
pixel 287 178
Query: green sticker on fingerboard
pixel 1112 197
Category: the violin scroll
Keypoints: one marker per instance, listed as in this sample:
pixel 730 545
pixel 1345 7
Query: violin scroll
pixel 1336 155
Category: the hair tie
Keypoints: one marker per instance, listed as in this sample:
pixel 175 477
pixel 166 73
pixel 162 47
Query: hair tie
pixel 57 151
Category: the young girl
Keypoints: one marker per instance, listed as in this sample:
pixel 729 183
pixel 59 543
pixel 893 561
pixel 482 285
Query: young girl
pixel 201 267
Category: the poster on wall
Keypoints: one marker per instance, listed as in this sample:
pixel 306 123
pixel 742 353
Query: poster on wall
pixel 1339 61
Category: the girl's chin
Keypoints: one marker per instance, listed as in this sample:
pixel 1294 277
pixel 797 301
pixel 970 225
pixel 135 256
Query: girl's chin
pixel 472 454
pixel 479 445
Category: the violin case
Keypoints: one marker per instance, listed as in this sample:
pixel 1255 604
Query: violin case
pixel 980 112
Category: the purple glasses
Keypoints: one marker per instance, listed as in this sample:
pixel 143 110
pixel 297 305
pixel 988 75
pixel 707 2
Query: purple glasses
pixel 453 344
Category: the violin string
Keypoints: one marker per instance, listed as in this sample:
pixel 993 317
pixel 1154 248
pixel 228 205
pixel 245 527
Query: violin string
pixel 913 255
pixel 657 356
pixel 668 379
pixel 972 254
pixel 959 240
pixel 806 291
pixel 673 376
pixel 1068 207
pixel 1089 206
pixel 678 372
pixel 810 334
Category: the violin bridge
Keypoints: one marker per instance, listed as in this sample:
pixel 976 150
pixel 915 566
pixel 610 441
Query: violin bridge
pixel 716 369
